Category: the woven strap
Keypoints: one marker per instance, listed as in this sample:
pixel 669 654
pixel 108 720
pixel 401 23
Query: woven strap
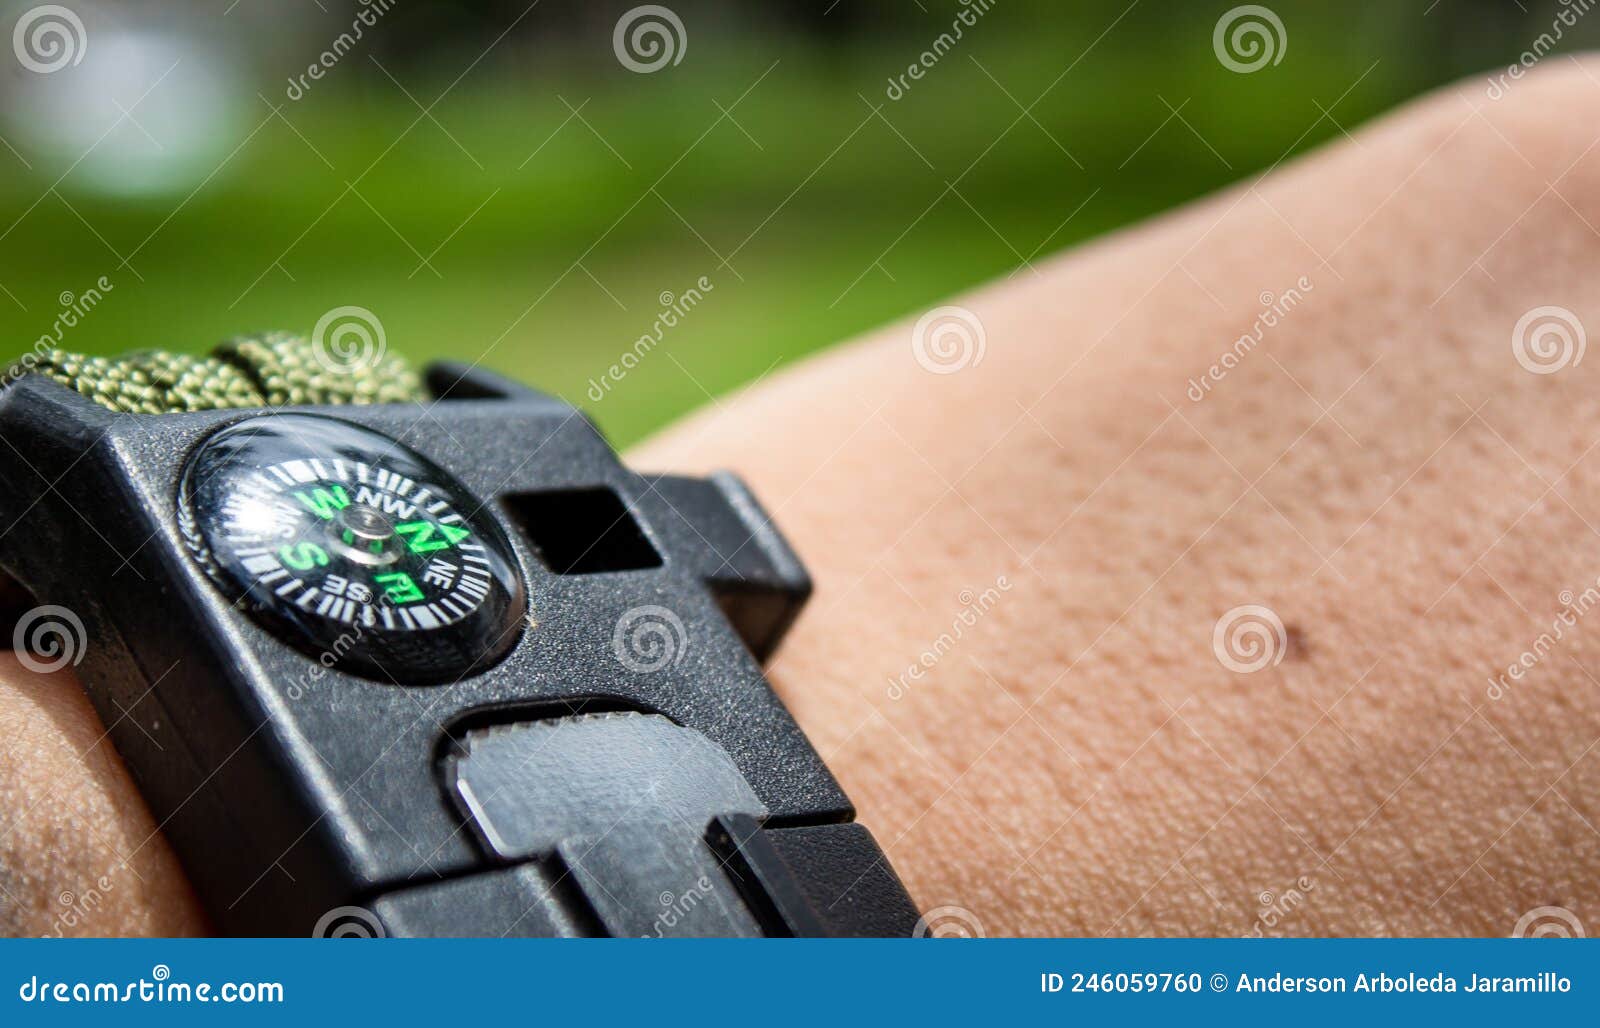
pixel 276 369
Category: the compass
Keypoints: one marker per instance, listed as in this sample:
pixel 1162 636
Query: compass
pixel 352 548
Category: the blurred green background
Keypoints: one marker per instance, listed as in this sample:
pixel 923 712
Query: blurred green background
pixel 493 183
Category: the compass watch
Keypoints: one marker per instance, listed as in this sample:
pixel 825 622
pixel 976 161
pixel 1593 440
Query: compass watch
pixel 413 655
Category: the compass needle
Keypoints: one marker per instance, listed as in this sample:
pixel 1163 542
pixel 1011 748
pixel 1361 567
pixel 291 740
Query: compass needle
pixel 268 500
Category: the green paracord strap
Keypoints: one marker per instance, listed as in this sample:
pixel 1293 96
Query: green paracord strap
pixel 276 369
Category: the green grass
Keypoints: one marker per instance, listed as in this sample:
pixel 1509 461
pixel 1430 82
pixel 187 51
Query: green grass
pixel 837 221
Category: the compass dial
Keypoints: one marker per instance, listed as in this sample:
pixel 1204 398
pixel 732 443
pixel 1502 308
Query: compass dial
pixel 352 548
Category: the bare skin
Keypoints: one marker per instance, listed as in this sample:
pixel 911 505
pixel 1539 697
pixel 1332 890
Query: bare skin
pixel 1379 470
